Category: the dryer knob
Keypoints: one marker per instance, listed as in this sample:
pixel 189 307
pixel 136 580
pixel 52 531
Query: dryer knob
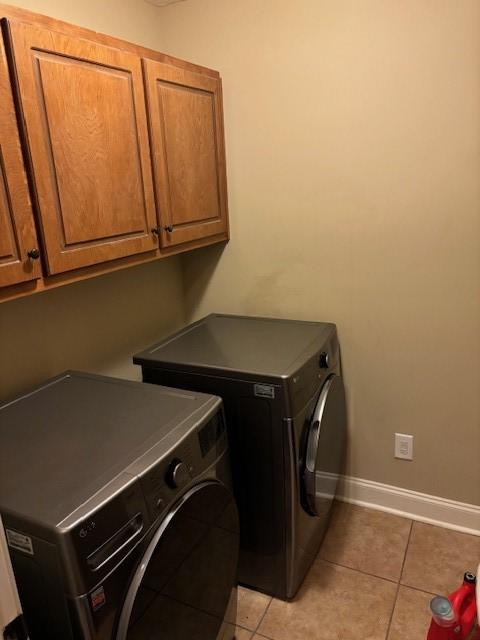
pixel 323 360
pixel 178 475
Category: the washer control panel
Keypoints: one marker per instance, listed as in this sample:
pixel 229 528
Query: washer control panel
pixel 178 474
pixel 211 434
pixel 171 475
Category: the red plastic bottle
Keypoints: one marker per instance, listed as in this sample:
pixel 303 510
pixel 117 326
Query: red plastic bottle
pixel 455 617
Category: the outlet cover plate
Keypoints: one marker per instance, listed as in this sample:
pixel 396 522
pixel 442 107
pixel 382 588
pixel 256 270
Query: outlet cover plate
pixel 403 446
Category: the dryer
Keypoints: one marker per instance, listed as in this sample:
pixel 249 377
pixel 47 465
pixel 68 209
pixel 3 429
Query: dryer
pixel 284 398
pixel 118 511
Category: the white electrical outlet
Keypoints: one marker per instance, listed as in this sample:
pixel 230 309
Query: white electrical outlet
pixel 403 446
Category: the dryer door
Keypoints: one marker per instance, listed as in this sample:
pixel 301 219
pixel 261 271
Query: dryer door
pixel 183 585
pixel 325 444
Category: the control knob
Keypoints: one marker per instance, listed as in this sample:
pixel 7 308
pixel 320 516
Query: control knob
pixel 323 360
pixel 178 475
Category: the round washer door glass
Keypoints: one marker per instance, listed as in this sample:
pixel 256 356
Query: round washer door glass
pixel 325 444
pixel 183 584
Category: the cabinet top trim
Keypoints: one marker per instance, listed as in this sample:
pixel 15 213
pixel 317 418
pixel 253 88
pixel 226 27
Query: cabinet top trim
pixel 16 13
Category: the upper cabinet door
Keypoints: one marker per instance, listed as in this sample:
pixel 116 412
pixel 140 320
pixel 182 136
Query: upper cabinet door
pixel 83 105
pixel 186 128
pixel 17 229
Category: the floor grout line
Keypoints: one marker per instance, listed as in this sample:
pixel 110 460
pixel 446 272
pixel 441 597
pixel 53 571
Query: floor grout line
pixel 240 626
pixel 253 632
pixel 407 586
pixel 263 616
pixel 406 551
pixel 399 583
pixel 365 573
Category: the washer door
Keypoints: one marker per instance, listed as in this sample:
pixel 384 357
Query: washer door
pixel 325 444
pixel 183 584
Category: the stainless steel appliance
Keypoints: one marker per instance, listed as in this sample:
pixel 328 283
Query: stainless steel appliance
pixel 118 512
pixel 284 398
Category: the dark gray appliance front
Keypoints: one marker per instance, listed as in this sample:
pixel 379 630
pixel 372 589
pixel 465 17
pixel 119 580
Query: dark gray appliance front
pixel 286 430
pixel 156 547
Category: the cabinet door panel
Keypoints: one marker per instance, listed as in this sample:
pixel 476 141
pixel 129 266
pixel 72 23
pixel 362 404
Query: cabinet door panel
pixel 84 111
pixel 186 128
pixel 17 228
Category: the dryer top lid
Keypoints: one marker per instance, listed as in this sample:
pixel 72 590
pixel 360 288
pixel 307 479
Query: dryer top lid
pixel 265 347
pixel 66 440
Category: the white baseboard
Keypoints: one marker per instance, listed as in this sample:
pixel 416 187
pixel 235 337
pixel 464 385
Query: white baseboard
pixel 410 504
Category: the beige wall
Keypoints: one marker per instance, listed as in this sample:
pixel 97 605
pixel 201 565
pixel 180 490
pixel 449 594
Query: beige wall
pixel 133 20
pixel 95 325
pixel 353 147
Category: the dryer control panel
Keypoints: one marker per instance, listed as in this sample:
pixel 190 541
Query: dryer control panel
pixel 311 376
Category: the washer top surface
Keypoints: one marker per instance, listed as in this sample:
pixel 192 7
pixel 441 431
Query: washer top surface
pixel 239 344
pixel 66 440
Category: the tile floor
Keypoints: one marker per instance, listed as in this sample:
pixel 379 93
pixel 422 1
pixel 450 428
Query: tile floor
pixel 372 580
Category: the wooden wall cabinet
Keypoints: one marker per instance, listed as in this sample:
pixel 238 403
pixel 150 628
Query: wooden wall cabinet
pixel 17 228
pixel 126 164
pixel 85 121
pixel 186 129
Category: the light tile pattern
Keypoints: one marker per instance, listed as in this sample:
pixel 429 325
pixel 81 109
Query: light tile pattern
pixel 251 608
pixel 371 541
pixel 373 579
pixel 437 558
pixel 334 602
pixel 242 634
pixel 411 617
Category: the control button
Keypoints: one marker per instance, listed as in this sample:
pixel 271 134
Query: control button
pixel 160 504
pixel 178 475
pixel 323 360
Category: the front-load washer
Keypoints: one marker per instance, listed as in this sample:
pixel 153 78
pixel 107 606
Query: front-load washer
pixel 285 405
pixel 118 511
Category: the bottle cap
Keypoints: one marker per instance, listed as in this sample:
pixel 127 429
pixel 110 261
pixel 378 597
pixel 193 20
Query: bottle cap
pixel 442 611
